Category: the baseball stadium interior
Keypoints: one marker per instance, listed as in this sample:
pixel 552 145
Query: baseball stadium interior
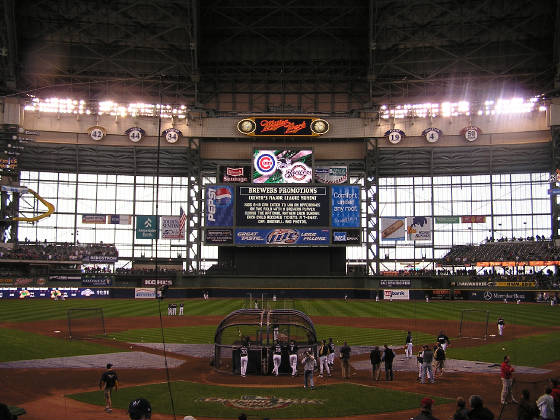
pixel 282 156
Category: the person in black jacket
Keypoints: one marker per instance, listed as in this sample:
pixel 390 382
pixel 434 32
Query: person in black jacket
pixel 527 409
pixel 375 358
pixel 388 357
pixel 439 355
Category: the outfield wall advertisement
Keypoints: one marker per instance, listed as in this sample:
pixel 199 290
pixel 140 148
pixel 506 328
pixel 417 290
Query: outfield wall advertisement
pixel 46 292
pixel 396 294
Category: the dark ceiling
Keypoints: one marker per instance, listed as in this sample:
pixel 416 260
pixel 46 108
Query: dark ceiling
pixel 282 55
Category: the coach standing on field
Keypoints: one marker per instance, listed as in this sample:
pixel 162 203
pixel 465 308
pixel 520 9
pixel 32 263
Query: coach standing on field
pixel 345 359
pixel 506 373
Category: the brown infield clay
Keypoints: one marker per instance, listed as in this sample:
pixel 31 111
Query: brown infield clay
pixel 41 391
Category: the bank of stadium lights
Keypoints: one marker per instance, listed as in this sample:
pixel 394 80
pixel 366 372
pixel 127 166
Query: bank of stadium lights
pixel 81 107
pixel 454 109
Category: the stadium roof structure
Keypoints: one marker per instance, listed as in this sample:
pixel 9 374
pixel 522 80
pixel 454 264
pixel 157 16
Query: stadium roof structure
pixel 291 56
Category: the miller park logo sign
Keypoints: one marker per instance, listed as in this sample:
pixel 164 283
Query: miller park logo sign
pixel 256 402
pixel 282 126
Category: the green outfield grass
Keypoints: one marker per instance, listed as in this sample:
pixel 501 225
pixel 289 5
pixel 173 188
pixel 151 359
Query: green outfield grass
pixel 524 314
pixel 204 334
pixel 534 351
pixel 334 400
pixel 20 345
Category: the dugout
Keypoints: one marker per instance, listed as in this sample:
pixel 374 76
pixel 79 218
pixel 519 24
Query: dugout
pixel 260 328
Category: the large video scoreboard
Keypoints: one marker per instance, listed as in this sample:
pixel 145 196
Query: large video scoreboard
pixel 282 214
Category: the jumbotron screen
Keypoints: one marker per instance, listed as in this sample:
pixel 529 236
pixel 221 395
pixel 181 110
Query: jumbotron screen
pixel 282 214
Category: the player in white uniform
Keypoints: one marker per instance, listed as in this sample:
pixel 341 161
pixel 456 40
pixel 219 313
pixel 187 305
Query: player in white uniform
pixel 276 357
pixel 244 358
pixel 408 346
pixel 323 353
pixel 293 352
pixel 181 307
pixel 501 324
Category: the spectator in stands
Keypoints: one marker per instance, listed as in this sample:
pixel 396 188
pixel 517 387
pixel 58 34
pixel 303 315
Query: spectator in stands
pixel 140 409
pixel 462 412
pixel 5 413
pixel 478 411
pixel 556 396
pixel 425 410
pixel 527 409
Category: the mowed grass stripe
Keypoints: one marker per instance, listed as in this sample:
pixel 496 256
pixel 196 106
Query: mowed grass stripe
pixel 20 345
pixel 205 335
pixel 537 350
pixel 524 314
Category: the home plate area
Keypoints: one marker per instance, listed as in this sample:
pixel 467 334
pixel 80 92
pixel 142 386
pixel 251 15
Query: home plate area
pixel 401 363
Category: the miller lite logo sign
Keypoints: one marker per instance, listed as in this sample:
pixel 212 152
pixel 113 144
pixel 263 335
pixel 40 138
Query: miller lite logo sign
pixel 282 126
pixel 394 135
pixel 97 132
pixel 471 133
pixel 135 134
pixel 172 135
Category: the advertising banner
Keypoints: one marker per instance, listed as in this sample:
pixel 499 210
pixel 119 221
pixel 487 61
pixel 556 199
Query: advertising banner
pixel 277 205
pixel 218 237
pixel 45 292
pixel 234 174
pixel 346 237
pixel 515 284
pixel 419 228
pixel 96 280
pixel 282 166
pixel 158 282
pixel 447 219
pixel 146 227
pixel 98 219
pixel 473 219
pixel 500 296
pixel 392 228
pixel 282 237
pixel 100 259
pixel 219 205
pixel 171 227
pixel 119 219
pixel 144 293
pixel 394 283
pixel 331 174
pixel 65 277
pixel 345 206
pixel 396 294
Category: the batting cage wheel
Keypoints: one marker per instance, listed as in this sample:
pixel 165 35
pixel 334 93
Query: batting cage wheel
pixel 85 323
pixel 474 324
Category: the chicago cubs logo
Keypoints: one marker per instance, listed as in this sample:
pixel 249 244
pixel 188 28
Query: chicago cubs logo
pixel 265 163
pixel 282 236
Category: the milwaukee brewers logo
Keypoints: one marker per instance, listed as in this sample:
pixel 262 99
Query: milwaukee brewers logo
pixel 256 402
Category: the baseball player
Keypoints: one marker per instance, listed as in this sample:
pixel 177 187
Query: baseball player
pixel 443 340
pixel 323 354
pixel 501 324
pixel 332 351
pixel 244 358
pixel 108 381
pixel 293 352
pixel 408 346
pixel 276 357
pixel 169 309
pixel 181 308
pixel 309 365
pixel 439 356
pixel 140 409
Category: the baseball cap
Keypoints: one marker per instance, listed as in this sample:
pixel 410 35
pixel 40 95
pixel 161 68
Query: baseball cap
pixel 109 365
pixel 138 408
pixel 427 402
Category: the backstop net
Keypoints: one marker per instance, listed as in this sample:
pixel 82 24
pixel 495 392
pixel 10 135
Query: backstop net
pixel 474 324
pixel 85 323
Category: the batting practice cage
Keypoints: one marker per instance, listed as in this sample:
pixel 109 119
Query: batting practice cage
pixel 474 324
pixel 85 323
pixel 260 328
